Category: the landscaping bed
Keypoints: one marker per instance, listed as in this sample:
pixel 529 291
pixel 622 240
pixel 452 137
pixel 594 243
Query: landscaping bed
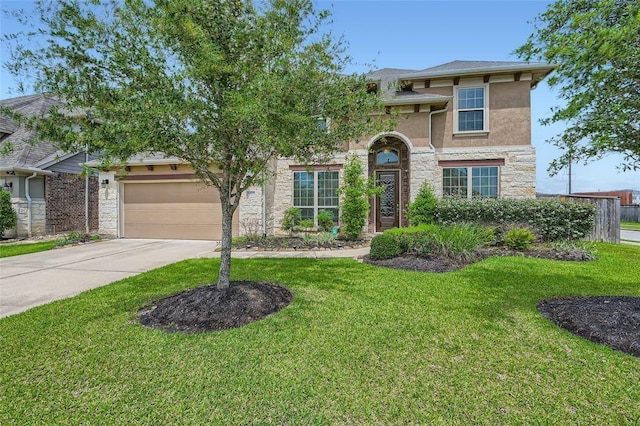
pixel 286 243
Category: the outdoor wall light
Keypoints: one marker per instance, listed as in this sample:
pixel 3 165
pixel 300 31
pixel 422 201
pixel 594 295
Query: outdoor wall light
pixel 8 186
pixel 104 183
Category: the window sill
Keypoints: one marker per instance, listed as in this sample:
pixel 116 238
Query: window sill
pixel 474 133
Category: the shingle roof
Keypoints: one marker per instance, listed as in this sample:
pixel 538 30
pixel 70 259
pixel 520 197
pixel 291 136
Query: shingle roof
pixel 24 151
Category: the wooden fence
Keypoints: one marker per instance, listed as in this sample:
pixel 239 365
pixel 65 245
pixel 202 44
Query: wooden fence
pixel 630 213
pixel 607 222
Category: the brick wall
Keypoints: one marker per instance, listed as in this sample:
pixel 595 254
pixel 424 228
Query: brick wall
pixel 64 195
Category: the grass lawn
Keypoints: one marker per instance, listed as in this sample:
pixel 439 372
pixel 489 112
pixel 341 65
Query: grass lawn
pixel 358 345
pixel 7 250
pixel 631 226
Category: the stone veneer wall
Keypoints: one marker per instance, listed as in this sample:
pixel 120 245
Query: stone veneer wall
pixel 517 176
pixel 38 218
pixel 109 207
pixel 280 188
pixel 65 198
pixel 250 212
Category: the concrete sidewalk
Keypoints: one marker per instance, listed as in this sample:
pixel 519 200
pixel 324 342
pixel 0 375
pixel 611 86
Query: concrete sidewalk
pixel 38 278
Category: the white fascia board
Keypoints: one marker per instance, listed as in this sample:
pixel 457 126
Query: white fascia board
pixel 418 100
pixel 30 170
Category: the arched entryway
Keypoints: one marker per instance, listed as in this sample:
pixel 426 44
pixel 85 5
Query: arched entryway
pixel 389 166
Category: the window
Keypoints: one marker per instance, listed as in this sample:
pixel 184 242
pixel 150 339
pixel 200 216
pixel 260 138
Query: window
pixel 387 157
pixel 315 191
pixel 471 114
pixel 470 182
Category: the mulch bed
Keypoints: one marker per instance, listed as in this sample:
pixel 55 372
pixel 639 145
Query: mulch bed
pixel 208 308
pixel 610 320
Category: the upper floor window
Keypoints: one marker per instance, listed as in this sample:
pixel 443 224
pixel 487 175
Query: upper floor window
pixel 471 109
pixel 387 157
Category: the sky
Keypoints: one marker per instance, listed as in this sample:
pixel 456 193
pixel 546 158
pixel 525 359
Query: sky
pixel 423 33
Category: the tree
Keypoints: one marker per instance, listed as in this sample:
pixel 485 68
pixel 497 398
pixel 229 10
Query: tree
pixel 596 46
pixel 8 216
pixel 225 85
pixel 355 191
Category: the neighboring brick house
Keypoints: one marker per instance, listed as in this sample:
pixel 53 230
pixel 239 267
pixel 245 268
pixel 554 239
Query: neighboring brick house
pixel 464 127
pixel 46 188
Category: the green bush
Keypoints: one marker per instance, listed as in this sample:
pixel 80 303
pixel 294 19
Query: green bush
pixel 423 208
pixel 8 216
pixel 306 224
pixel 519 238
pixel 551 219
pixel 385 246
pixel 462 240
pixel 355 192
pixel 325 220
pixel 292 218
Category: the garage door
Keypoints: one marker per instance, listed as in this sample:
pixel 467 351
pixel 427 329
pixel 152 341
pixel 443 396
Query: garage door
pixel 175 210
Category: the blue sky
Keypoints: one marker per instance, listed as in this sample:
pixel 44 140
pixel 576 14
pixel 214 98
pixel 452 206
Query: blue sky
pixel 419 34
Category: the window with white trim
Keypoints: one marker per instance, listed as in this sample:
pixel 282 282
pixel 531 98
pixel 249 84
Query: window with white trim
pixel 314 191
pixel 470 182
pixel 471 113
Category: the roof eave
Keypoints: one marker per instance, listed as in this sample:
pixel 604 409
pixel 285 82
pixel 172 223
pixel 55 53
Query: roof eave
pixel 546 68
pixel 416 100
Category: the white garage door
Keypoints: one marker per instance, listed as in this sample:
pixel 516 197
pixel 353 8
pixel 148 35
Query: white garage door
pixel 173 210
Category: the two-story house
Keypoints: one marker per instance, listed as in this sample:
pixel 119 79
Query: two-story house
pixel 464 127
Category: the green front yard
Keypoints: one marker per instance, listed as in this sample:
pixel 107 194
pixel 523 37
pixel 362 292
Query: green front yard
pixel 358 345
pixel 631 226
pixel 7 250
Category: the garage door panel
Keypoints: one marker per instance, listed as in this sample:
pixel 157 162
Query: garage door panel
pixel 178 232
pixel 170 192
pixel 168 213
pixel 177 210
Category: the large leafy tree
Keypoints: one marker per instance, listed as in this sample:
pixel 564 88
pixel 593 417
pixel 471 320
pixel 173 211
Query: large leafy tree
pixel 596 46
pixel 226 85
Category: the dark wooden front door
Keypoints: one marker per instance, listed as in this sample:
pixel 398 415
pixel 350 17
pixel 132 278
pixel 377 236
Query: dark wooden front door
pixel 387 205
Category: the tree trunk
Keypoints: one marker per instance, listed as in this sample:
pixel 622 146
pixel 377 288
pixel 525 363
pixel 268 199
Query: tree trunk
pixel 225 254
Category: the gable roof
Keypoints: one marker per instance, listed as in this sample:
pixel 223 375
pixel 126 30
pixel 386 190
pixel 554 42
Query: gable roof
pixel 462 68
pixel 25 153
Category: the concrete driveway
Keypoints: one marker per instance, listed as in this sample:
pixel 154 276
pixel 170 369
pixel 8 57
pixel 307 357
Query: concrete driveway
pixel 630 237
pixel 35 279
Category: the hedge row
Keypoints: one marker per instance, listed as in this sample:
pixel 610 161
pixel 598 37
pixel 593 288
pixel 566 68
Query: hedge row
pixel 551 220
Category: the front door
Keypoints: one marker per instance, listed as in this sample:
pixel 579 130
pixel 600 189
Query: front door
pixel 388 203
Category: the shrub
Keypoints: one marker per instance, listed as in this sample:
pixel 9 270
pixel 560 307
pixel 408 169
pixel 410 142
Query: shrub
pixel 417 240
pixel 578 249
pixel 355 192
pixel 8 216
pixel 551 219
pixel 462 240
pixel 422 210
pixel 519 238
pixel 292 217
pixel 325 220
pixel 385 246
pixel 306 224
pixel 320 239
